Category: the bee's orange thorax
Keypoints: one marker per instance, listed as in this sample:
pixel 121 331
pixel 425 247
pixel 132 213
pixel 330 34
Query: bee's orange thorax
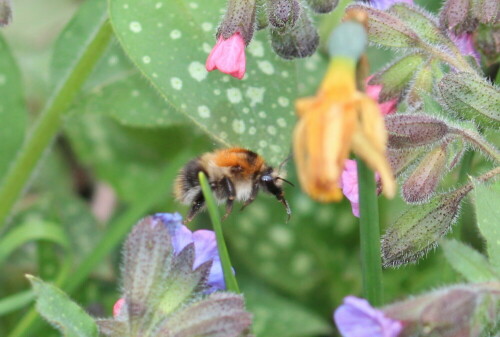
pixel 249 161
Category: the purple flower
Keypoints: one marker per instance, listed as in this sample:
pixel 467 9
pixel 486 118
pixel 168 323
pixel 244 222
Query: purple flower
pixel 349 184
pixel 385 4
pixel 465 44
pixel 357 318
pixel 205 247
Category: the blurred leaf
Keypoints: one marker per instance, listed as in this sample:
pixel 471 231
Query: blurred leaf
pixel 15 302
pixel 130 159
pixel 487 199
pixel 29 232
pixel 275 315
pixel 471 264
pixel 115 87
pixel 13 112
pixel 169 43
pixel 56 307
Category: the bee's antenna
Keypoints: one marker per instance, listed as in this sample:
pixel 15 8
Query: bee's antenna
pixel 284 162
pixel 286 181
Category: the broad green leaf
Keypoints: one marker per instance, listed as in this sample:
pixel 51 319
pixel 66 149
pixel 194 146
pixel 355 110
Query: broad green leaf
pixel 169 42
pixel 13 114
pixel 487 199
pixel 115 87
pixel 56 307
pixel 471 264
pixel 275 315
pixel 130 159
pixel 29 232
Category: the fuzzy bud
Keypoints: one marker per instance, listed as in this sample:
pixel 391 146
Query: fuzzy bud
pixel 423 181
pixel 422 83
pixel 419 229
pixel 261 19
pixel 488 42
pixel 400 161
pixel 322 6
pixel 301 40
pixel 239 17
pixel 410 131
pixel 5 12
pixel 455 15
pixel 470 97
pixel 460 310
pixel 283 13
pixel 397 76
pixel 486 11
pixel 386 29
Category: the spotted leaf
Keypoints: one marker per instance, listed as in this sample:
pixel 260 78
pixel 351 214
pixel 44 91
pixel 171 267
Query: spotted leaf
pixel 169 42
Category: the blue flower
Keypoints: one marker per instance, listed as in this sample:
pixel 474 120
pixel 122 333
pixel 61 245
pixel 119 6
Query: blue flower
pixel 357 318
pixel 205 247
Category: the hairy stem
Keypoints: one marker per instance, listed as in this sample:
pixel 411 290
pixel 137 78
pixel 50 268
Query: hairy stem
pixel 371 261
pixel 49 122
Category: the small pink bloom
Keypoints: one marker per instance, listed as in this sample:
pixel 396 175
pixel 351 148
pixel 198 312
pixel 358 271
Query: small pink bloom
pixel 373 91
pixel 228 56
pixel 357 318
pixel 349 184
pixel 385 4
pixel 465 44
pixel 118 307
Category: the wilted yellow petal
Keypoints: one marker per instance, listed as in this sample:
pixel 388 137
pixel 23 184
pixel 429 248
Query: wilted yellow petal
pixel 372 122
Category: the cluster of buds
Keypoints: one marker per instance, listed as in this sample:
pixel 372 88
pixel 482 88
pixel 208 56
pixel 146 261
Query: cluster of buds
pixel 290 28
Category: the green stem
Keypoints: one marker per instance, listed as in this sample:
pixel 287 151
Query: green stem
pixel 49 122
pixel 371 262
pixel 229 277
pixel 118 229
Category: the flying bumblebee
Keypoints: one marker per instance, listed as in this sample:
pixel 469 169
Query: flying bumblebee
pixel 233 174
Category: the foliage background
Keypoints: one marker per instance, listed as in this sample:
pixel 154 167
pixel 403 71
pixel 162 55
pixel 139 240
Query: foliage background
pixel 120 138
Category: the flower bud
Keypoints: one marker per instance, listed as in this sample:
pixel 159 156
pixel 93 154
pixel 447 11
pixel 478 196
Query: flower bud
pixel 5 12
pixel 322 6
pixel 301 40
pixel 410 131
pixel 396 77
pixel 283 13
pixel 460 310
pixel 386 29
pixel 422 83
pixel 400 161
pixel 486 11
pixel 418 229
pixel 488 42
pixel 455 15
pixel 239 17
pixel 470 97
pixel 423 181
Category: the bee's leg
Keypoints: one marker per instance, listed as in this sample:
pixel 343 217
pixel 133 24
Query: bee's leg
pixel 228 188
pixel 255 190
pixel 278 193
pixel 196 206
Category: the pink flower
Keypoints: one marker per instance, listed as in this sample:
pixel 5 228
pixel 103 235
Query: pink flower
pixel 465 44
pixel 349 184
pixel 357 318
pixel 386 108
pixel 118 307
pixel 228 55
pixel 385 4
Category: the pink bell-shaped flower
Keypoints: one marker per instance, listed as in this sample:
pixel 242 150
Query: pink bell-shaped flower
pixel 228 55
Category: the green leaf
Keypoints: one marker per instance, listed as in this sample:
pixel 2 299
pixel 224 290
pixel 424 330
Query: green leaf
pixel 487 199
pixel 29 232
pixel 115 87
pixel 13 112
pixel 59 310
pixel 472 265
pixel 169 42
pixel 15 302
pixel 275 315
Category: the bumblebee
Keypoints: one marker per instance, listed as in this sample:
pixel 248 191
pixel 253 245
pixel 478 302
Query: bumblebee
pixel 233 174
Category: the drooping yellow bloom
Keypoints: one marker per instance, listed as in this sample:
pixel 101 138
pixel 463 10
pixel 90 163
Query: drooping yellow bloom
pixel 331 124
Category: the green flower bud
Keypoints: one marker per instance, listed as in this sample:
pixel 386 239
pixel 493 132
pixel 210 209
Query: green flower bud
pixel 5 12
pixel 239 17
pixel 385 28
pixel 322 6
pixel 422 83
pixel 423 181
pixel 411 131
pixel 396 76
pixel 486 11
pixel 283 13
pixel 400 161
pixel 419 229
pixel 301 40
pixel 261 19
pixel 471 97
pixel 487 40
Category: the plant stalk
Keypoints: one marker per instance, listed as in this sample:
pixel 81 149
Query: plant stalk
pixel 371 261
pixel 229 278
pixel 49 123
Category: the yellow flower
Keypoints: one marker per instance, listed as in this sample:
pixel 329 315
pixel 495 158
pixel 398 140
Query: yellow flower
pixel 331 124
